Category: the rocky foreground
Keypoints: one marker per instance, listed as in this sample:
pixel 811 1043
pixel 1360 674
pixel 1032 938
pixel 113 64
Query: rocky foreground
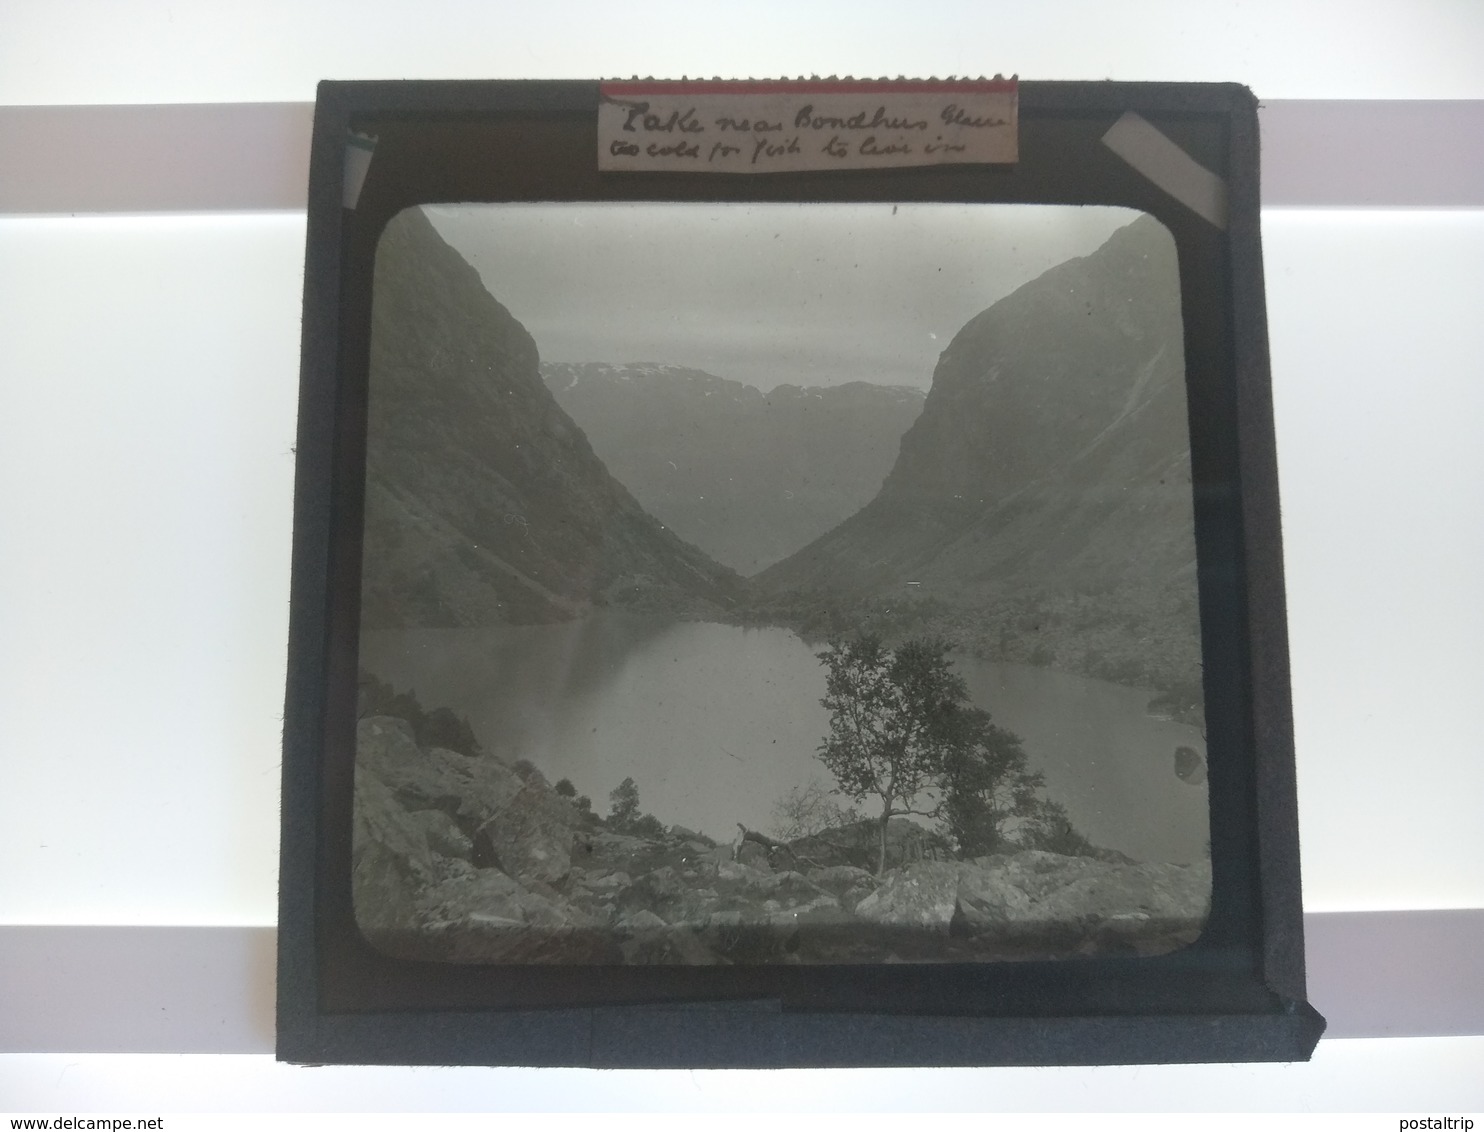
pixel 470 860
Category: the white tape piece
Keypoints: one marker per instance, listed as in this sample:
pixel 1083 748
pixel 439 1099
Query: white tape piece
pixel 1169 167
pixel 358 151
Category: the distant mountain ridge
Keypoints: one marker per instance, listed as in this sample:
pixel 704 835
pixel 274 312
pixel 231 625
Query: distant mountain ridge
pixel 1046 485
pixel 747 476
pixel 484 501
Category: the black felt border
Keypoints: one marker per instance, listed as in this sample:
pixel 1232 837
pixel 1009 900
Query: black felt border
pixel 1236 995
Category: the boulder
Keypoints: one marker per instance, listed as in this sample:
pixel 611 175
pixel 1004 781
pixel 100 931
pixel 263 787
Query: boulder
pixel 986 898
pixel 734 872
pixel 642 921
pixel 491 898
pixel 608 882
pixel 1147 908
pixel 531 835
pixel 712 858
pixel 444 835
pixel 603 851
pixel 387 751
pixel 456 913
pixel 790 889
pixel 692 907
pixel 471 790
pixel 735 877
pixel 736 891
pixel 1167 895
pixel 658 892
pixel 1034 872
pixel 847 883
pixel 1189 766
pixel 392 863
pixel 805 910
pixel 922 894
pixel 486 784
pixel 753 855
pixel 484 916
pixel 850 899
pixel 837 878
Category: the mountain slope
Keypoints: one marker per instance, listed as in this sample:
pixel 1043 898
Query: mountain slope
pixel 484 502
pixel 1047 481
pixel 749 477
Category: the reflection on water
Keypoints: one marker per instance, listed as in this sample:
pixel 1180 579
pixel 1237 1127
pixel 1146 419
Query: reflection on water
pixel 716 722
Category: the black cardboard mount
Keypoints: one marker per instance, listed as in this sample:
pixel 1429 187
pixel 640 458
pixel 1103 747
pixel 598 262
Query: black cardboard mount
pixel 1237 994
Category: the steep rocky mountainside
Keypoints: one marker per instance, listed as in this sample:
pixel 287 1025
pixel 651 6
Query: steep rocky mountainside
pixel 484 502
pixel 467 859
pixel 1044 494
pixel 749 477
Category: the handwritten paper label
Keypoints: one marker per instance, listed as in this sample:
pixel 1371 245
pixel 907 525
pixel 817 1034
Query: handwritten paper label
pixel 778 127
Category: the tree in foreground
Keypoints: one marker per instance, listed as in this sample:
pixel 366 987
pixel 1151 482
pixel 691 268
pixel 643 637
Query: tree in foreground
pixel 903 732
pixel 896 716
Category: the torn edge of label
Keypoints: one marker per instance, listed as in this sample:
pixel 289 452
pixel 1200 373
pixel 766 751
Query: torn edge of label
pixel 1164 163
pixel 358 151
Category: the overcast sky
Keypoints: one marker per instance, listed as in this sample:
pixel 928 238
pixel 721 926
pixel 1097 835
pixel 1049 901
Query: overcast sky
pixel 806 294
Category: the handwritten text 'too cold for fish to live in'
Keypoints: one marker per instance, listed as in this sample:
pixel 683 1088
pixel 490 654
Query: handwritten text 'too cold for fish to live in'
pixel 765 127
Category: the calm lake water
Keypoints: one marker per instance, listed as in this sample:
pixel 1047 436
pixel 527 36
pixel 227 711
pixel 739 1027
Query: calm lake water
pixel 714 723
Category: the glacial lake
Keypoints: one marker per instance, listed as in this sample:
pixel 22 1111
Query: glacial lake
pixel 715 722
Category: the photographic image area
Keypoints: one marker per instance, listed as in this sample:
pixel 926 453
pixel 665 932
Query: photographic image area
pixel 763 583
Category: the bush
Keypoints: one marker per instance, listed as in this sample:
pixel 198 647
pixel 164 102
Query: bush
pixel 625 816
pixel 624 804
pixel 649 826
pixel 985 785
pixel 807 811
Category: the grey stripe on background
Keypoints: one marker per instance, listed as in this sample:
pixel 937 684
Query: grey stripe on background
pixel 1397 974
pixel 229 157
pixel 136 989
pixel 210 990
pixel 255 156
pixel 1359 154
